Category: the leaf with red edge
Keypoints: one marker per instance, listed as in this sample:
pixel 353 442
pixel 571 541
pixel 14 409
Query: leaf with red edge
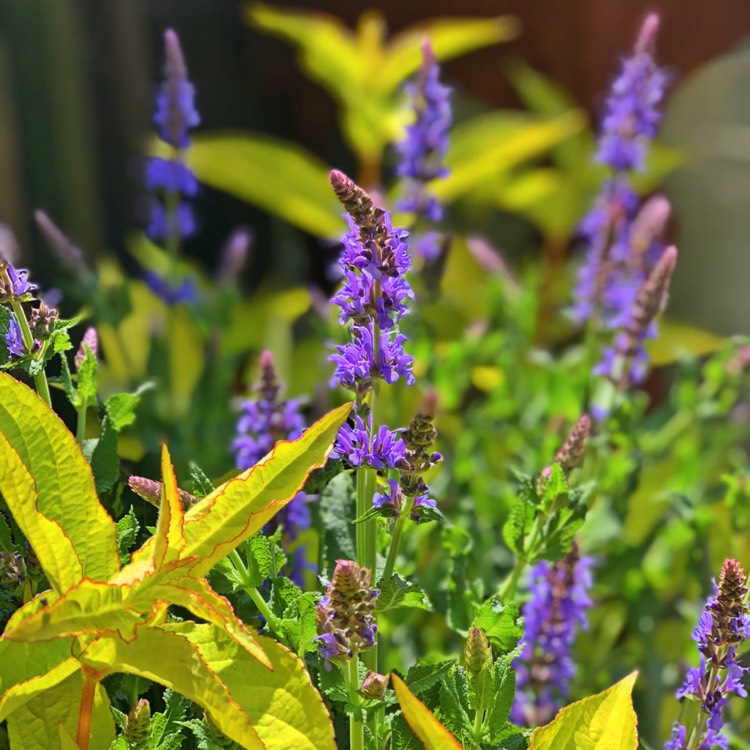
pixel 49 488
pixel 432 734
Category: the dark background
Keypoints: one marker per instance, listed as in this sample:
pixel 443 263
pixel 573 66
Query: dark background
pixel 77 79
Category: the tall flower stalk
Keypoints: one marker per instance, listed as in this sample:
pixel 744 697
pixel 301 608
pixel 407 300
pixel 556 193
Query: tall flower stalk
pixel 170 179
pixel 623 245
pixel 722 627
pixel 423 152
pixel 555 612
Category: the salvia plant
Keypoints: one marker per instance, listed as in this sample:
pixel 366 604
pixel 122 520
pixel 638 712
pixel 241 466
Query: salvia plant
pixel 434 507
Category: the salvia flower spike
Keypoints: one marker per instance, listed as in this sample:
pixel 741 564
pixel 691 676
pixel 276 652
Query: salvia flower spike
pixel 556 610
pixel 138 723
pixel 722 627
pixel 263 421
pixel 617 263
pixel 170 178
pixel 345 615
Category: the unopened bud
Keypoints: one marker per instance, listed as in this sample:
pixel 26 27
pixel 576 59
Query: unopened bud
pixel 138 724
pixel 150 491
pixel 91 340
pixel 374 685
pixel 570 454
pixel 647 36
pixel 477 652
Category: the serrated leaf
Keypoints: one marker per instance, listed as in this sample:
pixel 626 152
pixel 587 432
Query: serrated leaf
pixel 601 722
pixel 87 378
pixel 105 459
pixel 454 706
pixel 286 710
pixel 242 506
pixel 259 559
pixel 423 676
pixel 520 520
pixel 127 533
pixel 120 408
pixel 49 488
pixel 6 544
pixel 332 684
pixel 337 508
pixel 397 592
pixel 503 692
pixel 500 624
pixel 204 737
pixel 429 730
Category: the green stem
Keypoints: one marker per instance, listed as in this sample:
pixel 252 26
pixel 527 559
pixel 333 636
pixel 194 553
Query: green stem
pixel 508 588
pixel 81 423
pixel 40 379
pixel 390 562
pixel 356 728
pixel 251 591
pixel 478 727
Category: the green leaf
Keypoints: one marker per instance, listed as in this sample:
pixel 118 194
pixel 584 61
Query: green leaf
pixel 200 484
pixel 259 559
pixel 127 533
pixel 120 409
pixel 500 624
pixel 521 516
pixel 398 592
pixel 87 378
pixel 49 488
pixel 205 738
pixel 337 508
pixel 455 705
pixel 431 732
pixel 164 725
pixel 6 544
pixel 603 721
pixel 279 177
pixel 503 692
pixel 237 509
pixel 333 685
pixel 422 677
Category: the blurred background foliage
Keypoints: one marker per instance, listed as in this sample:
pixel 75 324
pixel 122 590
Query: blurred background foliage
pixel 286 95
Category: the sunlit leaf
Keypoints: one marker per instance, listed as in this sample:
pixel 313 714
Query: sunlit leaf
pixel 237 509
pixel 605 721
pixel 489 144
pixel 169 658
pixel 677 339
pixel 49 488
pixel 284 707
pixel 279 177
pixel 449 38
pixel 433 735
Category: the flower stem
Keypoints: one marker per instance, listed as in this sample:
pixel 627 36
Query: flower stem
pixel 40 379
pixel 251 591
pixel 390 562
pixel 356 728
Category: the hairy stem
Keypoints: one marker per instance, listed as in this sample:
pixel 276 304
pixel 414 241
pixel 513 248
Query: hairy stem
pixel 356 728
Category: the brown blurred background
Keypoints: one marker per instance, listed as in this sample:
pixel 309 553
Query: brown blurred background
pixel 77 78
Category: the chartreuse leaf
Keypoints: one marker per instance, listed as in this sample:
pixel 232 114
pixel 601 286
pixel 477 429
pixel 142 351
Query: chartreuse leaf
pixel 169 658
pixel 676 339
pixel 605 721
pixel 239 508
pixel 284 707
pixel 431 732
pixel 279 177
pixel 49 720
pixel 49 488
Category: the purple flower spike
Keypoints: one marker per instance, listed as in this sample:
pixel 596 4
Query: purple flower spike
pixel 14 340
pixel 359 447
pixel 426 143
pixel 14 283
pixel 555 612
pixel 174 117
pixel 186 291
pixel 723 625
pixel 263 421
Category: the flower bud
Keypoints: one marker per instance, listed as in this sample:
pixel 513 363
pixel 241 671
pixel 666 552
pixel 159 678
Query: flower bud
pixel 477 652
pixel 138 723
pixel 374 685
pixel 91 340
pixel 42 322
pixel 150 491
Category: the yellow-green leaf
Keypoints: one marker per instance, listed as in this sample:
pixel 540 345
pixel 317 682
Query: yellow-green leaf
pixel 280 177
pixel 284 707
pixel 169 539
pixel 43 721
pixel 432 734
pixel 197 596
pixel 605 721
pixel 677 339
pixel 49 488
pixel 186 360
pixel 89 607
pixel 237 509
pixel 449 38
pixel 490 144
pixel 167 657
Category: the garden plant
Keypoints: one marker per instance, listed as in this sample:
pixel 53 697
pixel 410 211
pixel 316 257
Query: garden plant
pixel 448 504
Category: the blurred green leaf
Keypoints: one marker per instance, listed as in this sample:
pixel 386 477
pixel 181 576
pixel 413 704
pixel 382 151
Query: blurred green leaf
pixel 279 177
